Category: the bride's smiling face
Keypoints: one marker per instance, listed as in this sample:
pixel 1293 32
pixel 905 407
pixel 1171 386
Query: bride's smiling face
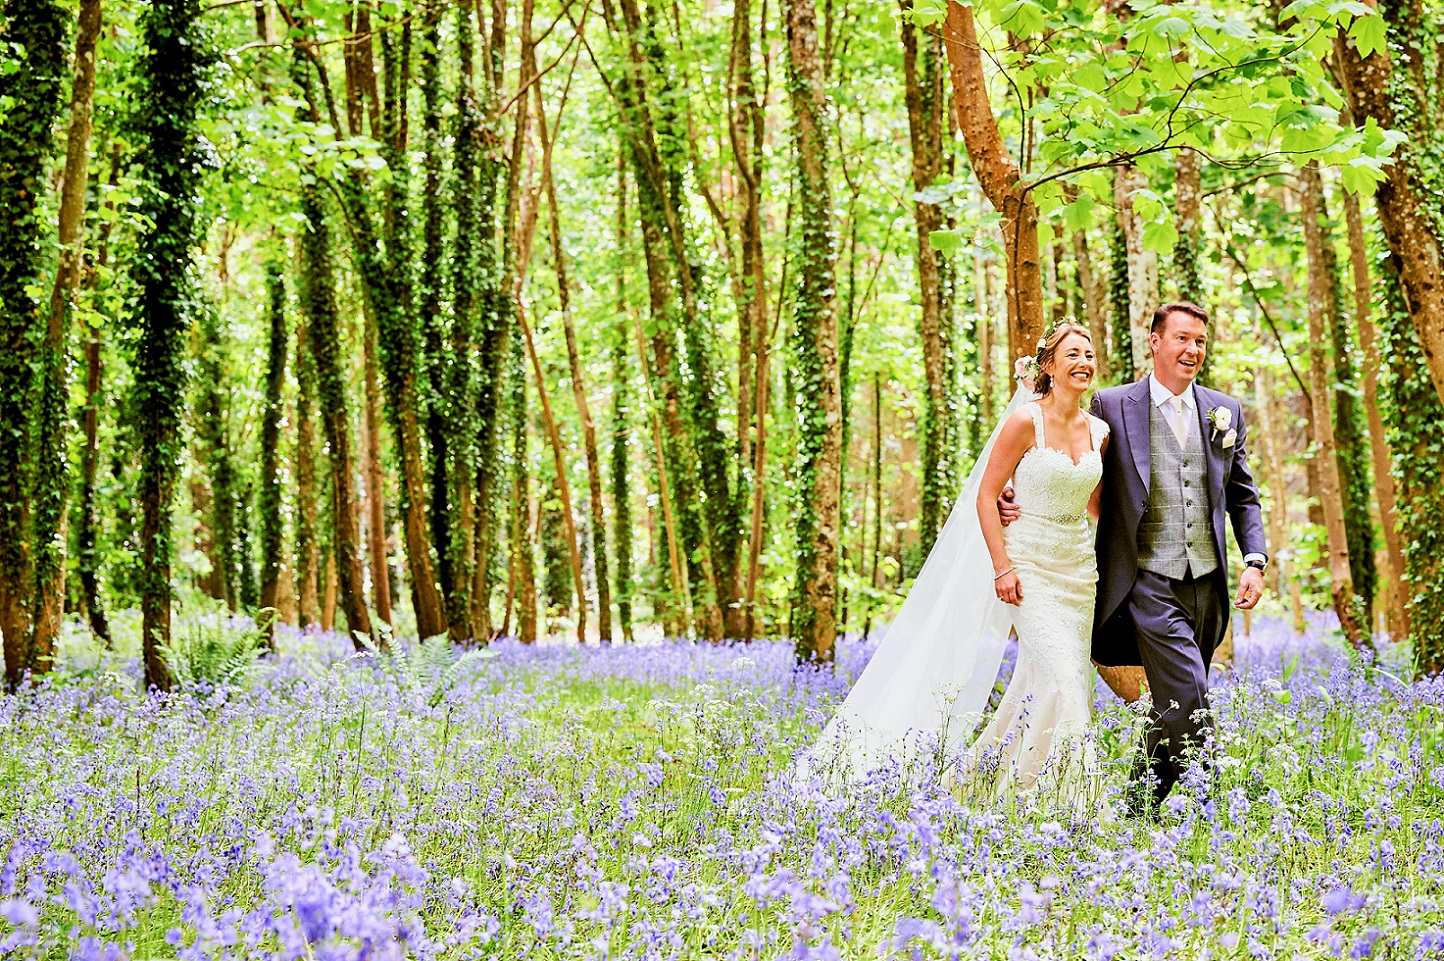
pixel 1074 363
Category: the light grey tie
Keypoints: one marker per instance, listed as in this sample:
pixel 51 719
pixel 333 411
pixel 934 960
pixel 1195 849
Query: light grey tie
pixel 1180 426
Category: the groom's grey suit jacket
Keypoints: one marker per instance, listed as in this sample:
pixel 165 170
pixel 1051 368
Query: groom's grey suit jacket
pixel 1126 466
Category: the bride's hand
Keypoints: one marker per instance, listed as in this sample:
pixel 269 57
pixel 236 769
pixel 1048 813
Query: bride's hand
pixel 1009 589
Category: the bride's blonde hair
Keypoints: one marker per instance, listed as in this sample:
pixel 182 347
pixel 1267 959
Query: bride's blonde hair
pixel 1048 348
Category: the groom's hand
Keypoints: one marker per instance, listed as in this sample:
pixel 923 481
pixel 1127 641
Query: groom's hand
pixel 1250 589
pixel 1008 509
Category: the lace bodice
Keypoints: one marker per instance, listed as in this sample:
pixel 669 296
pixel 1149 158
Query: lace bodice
pixel 1040 725
pixel 1046 482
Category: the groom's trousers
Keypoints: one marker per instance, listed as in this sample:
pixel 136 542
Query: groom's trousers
pixel 1177 622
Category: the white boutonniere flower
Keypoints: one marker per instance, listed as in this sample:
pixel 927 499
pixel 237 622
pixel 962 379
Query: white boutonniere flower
pixel 1221 418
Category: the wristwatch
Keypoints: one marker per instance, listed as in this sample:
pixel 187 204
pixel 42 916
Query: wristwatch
pixel 1256 564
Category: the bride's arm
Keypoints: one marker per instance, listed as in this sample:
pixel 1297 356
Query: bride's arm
pixel 1013 442
pixel 1096 501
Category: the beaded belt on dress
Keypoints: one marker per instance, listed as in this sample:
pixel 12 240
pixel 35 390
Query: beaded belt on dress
pixel 1058 518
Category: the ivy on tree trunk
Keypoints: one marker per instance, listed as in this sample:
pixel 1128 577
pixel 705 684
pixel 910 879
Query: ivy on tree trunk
pixel 52 482
pixel 35 29
pixel 1120 325
pixel 174 79
pixel 268 496
pixel 1323 298
pixel 1414 417
pixel 817 512
pixel 1407 96
pixel 323 335
pixel 924 72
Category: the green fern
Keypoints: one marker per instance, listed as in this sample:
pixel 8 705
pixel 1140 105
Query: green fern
pixel 429 670
pixel 208 654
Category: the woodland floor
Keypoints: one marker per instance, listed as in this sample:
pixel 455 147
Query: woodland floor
pixel 566 802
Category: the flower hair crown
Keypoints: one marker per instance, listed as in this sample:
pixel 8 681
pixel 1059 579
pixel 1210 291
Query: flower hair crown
pixel 1029 370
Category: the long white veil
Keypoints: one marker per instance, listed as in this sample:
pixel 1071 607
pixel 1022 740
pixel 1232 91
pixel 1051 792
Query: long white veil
pixel 929 681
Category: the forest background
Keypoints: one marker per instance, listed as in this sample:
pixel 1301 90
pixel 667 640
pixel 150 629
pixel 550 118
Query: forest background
pixel 602 317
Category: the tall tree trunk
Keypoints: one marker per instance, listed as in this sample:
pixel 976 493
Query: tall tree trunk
pixel 1278 514
pixel 219 466
pixel 433 318
pixel 521 545
pixel 1120 323
pixel 748 132
pixel 52 470
pixel 386 279
pixel 557 584
pixel 268 497
pixel 1414 417
pixel 695 449
pixel 489 373
pixel 87 559
pixel 1322 293
pixel 373 478
pixel 621 465
pixel 676 564
pixel 1407 212
pixel 36 33
pixel 459 562
pixel 1142 268
pixel 986 326
pixel 1188 194
pixel 328 591
pixel 318 302
pixel 759 477
pixel 1349 439
pixel 876 551
pixel 622 416
pixel 308 545
pixel 171 93
pixel 1001 178
pixel 87 555
pixel 526 231
pixel 578 379
pixel 1095 308
pixel 714 517
pixel 383 259
pixel 817 516
pixel 559 460
pixel 926 105
pixel 1396 612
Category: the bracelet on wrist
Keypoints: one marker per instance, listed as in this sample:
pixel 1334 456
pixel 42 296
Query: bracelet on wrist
pixel 998 575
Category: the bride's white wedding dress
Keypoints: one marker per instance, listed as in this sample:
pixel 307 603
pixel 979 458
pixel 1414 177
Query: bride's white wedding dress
pixel 1043 716
pixel 925 689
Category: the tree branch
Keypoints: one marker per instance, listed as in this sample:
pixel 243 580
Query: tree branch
pixel 1263 310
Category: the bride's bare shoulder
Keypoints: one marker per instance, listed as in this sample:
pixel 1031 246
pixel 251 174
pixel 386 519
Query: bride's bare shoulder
pixel 1023 416
pixel 1018 428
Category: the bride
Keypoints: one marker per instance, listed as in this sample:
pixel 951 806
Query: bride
pixel 927 685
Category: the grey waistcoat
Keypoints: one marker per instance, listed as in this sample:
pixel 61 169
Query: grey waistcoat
pixel 1175 537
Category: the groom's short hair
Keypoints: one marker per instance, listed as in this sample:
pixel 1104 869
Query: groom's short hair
pixel 1160 316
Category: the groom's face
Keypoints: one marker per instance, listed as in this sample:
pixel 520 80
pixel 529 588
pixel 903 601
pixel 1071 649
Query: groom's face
pixel 1178 349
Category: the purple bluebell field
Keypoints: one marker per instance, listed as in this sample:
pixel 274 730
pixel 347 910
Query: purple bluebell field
pixel 634 802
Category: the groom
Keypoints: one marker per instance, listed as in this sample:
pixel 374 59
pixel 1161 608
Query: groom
pixel 1176 465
